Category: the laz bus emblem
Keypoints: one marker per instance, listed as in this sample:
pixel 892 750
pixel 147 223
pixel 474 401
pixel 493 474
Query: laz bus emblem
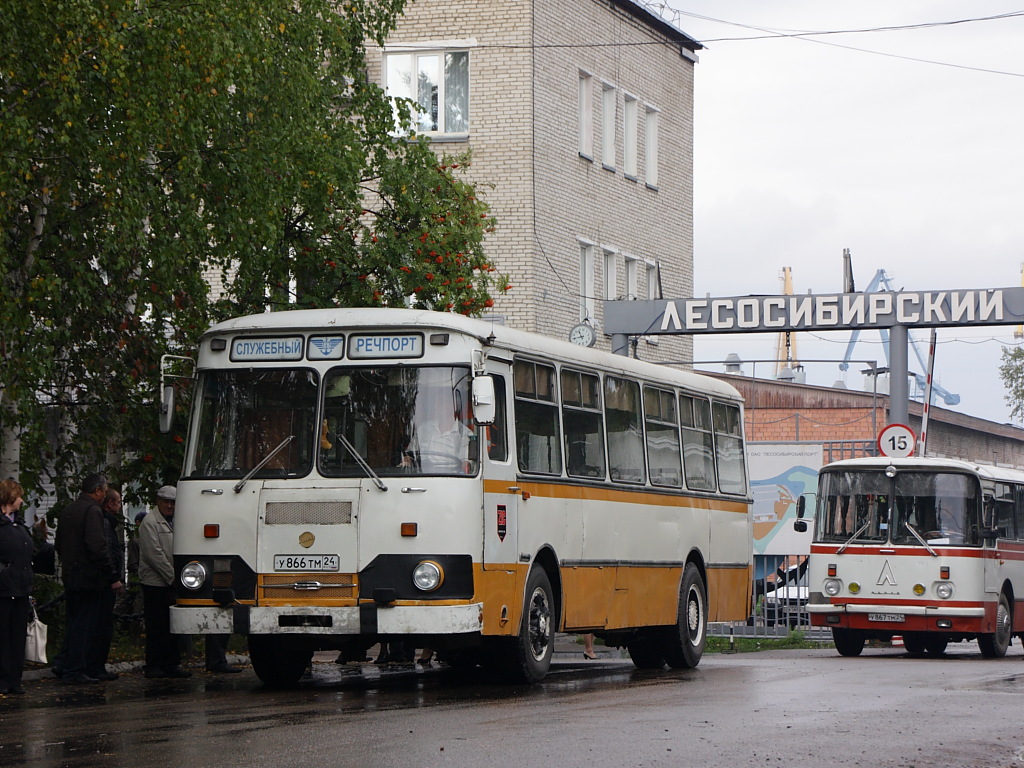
pixel 502 522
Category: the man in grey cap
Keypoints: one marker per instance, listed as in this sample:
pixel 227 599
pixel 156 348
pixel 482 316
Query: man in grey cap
pixel 156 572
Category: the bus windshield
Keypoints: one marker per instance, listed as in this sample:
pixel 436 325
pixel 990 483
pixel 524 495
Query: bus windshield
pixel 246 415
pixel 939 507
pixel 400 420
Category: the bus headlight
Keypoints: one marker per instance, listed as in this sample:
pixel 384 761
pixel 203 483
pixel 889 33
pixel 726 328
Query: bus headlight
pixel 919 589
pixel 427 576
pixel 832 587
pixel 193 575
pixel 944 589
pixel 854 587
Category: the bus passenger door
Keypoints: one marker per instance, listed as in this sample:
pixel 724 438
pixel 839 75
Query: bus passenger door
pixel 501 493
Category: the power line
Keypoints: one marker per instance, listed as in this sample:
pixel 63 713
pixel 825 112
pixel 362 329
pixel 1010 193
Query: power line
pixel 811 35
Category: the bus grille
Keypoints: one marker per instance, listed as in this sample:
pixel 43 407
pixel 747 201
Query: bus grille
pixel 331 585
pixel 309 513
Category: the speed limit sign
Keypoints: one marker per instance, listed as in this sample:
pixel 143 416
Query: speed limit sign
pixel 897 441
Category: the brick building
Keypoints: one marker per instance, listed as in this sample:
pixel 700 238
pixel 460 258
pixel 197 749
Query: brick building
pixel 846 422
pixel 579 116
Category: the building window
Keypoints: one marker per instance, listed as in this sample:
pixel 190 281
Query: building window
pixel 629 137
pixel 632 270
pixel 587 298
pixel 586 116
pixel 608 126
pixel 651 147
pixel 651 291
pixel 438 81
pixel 611 275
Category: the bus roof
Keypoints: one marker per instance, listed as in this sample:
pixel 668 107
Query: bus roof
pixel 988 471
pixel 491 334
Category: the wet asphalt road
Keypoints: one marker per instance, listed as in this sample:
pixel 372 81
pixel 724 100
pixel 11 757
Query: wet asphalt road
pixel 787 708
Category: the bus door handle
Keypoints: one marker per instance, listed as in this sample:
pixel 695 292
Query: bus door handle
pixel 408 489
pixel 214 491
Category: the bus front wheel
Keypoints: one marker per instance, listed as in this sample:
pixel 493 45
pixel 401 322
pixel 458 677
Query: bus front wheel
pixel 278 661
pixel 849 642
pixel 530 656
pixel 994 644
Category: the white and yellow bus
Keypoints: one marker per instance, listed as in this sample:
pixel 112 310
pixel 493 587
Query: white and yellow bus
pixel 356 476
pixel 928 549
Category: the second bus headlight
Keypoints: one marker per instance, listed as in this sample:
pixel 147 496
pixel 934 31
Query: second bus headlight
pixel 944 589
pixel 193 575
pixel 832 587
pixel 427 576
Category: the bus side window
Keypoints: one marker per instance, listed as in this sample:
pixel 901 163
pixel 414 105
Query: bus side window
pixel 496 435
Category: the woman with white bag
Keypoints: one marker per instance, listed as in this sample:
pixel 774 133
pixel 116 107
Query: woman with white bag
pixel 16 548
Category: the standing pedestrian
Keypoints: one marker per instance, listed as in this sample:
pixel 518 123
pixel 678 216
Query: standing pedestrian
pixel 16 549
pixel 113 532
pixel 89 578
pixel 156 572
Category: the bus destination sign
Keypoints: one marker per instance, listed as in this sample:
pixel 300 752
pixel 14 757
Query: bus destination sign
pixel 249 349
pixel 385 345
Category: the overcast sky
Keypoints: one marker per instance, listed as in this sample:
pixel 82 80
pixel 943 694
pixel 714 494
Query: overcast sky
pixel 803 149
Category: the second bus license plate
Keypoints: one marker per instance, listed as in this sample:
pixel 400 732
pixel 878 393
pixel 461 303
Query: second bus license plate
pixel 307 563
pixel 893 618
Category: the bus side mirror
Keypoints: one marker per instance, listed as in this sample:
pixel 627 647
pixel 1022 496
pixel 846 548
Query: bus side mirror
pixel 166 408
pixel 990 535
pixel 800 525
pixel 484 405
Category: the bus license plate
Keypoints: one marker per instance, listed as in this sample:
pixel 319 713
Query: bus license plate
pixel 307 563
pixel 893 618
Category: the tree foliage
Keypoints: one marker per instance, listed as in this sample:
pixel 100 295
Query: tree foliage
pixel 144 143
pixel 1012 373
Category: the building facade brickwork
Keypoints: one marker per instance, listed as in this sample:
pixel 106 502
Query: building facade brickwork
pixel 570 219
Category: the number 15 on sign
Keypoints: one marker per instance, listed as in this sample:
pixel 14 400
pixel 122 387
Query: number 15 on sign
pixel 897 441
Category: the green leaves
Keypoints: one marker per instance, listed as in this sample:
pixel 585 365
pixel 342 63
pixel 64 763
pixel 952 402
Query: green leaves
pixel 1012 374
pixel 148 146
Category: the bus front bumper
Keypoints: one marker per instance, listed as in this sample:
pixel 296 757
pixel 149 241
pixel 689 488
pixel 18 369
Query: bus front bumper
pixel 367 619
pixel 906 610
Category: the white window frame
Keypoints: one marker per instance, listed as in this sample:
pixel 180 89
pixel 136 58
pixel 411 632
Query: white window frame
pixel 417 53
pixel 630 118
pixel 586 115
pixel 611 273
pixel 588 300
pixel 632 273
pixel 609 114
pixel 651 118
pixel 651 275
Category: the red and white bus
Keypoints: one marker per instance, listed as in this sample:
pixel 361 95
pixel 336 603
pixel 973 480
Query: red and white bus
pixel 356 476
pixel 928 549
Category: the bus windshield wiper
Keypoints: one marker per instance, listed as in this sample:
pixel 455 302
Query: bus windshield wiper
pixel 856 533
pixel 241 483
pixel 362 462
pixel 921 539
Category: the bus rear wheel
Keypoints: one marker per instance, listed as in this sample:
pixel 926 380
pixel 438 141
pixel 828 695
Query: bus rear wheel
pixel 993 645
pixel 849 642
pixel 647 651
pixel 684 645
pixel 278 661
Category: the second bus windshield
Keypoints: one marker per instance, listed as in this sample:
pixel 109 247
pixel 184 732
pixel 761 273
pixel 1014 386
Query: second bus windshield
pixel 400 420
pixel 940 507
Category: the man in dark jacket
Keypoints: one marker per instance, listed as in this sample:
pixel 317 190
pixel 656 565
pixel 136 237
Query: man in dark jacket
pixel 89 576
pixel 113 532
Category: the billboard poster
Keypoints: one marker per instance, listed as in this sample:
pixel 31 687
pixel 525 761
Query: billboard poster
pixel 779 474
